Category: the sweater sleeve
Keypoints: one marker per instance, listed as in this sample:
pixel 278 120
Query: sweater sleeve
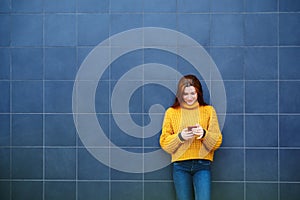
pixel 169 141
pixel 213 138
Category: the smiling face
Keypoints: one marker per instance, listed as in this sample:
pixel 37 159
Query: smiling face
pixel 190 95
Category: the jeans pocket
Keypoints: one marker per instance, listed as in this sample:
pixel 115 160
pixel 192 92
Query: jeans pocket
pixel 204 164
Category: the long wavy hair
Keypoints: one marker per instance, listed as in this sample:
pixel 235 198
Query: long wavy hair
pixel 187 81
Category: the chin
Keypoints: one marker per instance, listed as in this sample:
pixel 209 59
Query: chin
pixel 190 103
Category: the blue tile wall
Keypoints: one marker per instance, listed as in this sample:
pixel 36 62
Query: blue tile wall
pixel 255 45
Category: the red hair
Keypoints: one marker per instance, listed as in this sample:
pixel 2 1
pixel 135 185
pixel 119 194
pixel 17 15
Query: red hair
pixel 187 81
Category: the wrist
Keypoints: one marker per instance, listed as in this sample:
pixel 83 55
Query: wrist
pixel 204 133
pixel 180 137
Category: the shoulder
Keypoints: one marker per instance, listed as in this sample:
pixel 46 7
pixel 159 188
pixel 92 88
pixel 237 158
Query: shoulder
pixel 172 110
pixel 207 109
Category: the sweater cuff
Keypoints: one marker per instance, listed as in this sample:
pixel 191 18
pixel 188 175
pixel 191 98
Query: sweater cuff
pixel 181 138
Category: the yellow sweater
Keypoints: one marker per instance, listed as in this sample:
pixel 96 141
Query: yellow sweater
pixel 179 118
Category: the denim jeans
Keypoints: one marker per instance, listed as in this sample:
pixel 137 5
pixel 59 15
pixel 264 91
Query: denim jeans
pixel 192 179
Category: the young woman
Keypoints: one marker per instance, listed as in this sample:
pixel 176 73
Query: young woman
pixel 191 134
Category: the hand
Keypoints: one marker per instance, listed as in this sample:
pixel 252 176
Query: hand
pixel 198 131
pixel 187 135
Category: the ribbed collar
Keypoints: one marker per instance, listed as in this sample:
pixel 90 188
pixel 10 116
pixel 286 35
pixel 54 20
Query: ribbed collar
pixel 189 107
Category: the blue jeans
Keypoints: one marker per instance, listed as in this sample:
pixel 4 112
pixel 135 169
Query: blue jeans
pixel 192 179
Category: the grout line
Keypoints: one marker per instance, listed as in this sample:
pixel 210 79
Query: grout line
pixel 278 101
pixel 244 109
pixel 44 124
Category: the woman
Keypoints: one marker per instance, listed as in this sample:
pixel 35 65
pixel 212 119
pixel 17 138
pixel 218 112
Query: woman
pixel 191 134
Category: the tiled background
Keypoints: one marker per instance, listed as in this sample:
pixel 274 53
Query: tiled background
pixel 255 44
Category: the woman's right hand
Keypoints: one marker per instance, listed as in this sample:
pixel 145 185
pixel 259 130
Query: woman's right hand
pixel 186 135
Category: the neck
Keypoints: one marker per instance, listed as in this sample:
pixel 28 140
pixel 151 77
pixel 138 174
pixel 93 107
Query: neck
pixel 189 107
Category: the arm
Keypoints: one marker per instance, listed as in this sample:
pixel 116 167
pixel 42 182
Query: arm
pixel 169 141
pixel 213 137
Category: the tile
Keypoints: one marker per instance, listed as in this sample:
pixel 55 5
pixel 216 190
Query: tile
pixel 6 97
pixel 130 190
pixel 261 29
pixel 58 96
pixel 129 6
pixel 60 163
pixel 29 6
pixel 233 131
pixel 261 6
pixel 156 94
pixel 5 33
pixel 289 127
pixel 59 130
pixel 93 6
pixel 85 124
pixel 227 191
pixel 162 57
pixel 261 126
pixel 60 190
pixel 120 175
pixel 261 63
pixel 152 130
pixel 289 165
pixel 5 63
pixel 198 23
pixel 92 28
pixel 261 191
pixel 289 61
pixel 27 190
pixel 89 168
pixel 231 26
pixel 119 133
pixel 27 163
pixel 5 6
pixel 227 6
pixel 93 190
pixel 27 30
pixel 127 97
pixel 60 30
pixel 289 29
pixel 123 64
pixel 234 95
pixel 261 97
pixel 289 191
pixel 5 130
pixel 5 167
pixel 27 130
pixel 5 189
pixel 99 104
pixel 164 6
pixel 59 6
pixel 27 64
pixel 60 63
pixel 159 191
pixel 230 62
pixel 289 95
pixel 289 5
pixel 228 165
pixel 164 174
pixel 193 6
pixel 261 165
pixel 119 22
pixel 27 97
pixel 164 20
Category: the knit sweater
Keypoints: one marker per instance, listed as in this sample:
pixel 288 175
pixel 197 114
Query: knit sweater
pixel 179 118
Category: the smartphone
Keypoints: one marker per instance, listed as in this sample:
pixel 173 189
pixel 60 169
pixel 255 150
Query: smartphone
pixel 191 127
